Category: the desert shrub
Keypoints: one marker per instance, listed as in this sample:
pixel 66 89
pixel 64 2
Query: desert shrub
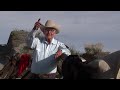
pixel 93 48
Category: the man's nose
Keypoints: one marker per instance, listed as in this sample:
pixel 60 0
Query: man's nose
pixel 49 31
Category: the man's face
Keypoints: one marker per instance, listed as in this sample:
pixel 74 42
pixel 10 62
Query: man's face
pixel 49 33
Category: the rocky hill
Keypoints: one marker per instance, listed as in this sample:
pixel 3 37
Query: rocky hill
pixel 16 43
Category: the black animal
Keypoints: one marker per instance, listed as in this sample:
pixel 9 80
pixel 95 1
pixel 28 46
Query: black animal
pixel 73 68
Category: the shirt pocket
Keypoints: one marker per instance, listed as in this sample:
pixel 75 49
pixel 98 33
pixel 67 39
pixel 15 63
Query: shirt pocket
pixel 40 53
pixel 53 51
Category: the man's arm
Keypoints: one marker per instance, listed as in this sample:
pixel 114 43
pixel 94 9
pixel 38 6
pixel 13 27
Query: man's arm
pixel 31 39
pixel 62 51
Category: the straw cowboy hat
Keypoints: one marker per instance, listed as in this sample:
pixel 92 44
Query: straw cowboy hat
pixel 51 24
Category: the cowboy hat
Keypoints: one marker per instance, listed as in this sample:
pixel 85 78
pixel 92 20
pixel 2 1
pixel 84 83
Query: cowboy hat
pixel 51 24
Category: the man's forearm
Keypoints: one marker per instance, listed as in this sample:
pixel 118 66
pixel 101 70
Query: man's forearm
pixel 66 51
pixel 31 37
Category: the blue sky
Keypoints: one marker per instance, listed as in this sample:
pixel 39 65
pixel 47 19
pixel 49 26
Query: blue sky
pixel 77 27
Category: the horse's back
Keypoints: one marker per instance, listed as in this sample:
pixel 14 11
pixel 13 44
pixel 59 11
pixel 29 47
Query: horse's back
pixel 108 66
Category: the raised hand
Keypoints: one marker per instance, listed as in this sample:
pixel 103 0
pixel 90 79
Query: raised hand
pixel 37 25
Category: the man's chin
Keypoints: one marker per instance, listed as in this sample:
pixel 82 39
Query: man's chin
pixel 49 37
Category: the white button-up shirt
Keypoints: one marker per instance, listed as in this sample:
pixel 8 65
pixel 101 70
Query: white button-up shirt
pixel 44 54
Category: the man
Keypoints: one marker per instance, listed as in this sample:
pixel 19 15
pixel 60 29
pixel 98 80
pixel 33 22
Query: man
pixel 46 49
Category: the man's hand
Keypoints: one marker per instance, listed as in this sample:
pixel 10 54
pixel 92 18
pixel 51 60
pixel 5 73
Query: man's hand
pixel 37 25
pixel 58 53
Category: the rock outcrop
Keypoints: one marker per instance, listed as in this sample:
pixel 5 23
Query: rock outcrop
pixel 17 41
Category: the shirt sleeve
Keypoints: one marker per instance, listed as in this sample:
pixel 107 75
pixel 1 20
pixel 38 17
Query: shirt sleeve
pixel 32 40
pixel 64 49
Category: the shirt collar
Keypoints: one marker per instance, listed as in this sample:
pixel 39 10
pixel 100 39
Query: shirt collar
pixel 54 41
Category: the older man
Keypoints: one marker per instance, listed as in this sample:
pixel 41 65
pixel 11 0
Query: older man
pixel 46 49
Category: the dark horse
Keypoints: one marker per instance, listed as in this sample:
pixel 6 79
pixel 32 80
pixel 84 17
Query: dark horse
pixel 107 67
pixel 73 68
